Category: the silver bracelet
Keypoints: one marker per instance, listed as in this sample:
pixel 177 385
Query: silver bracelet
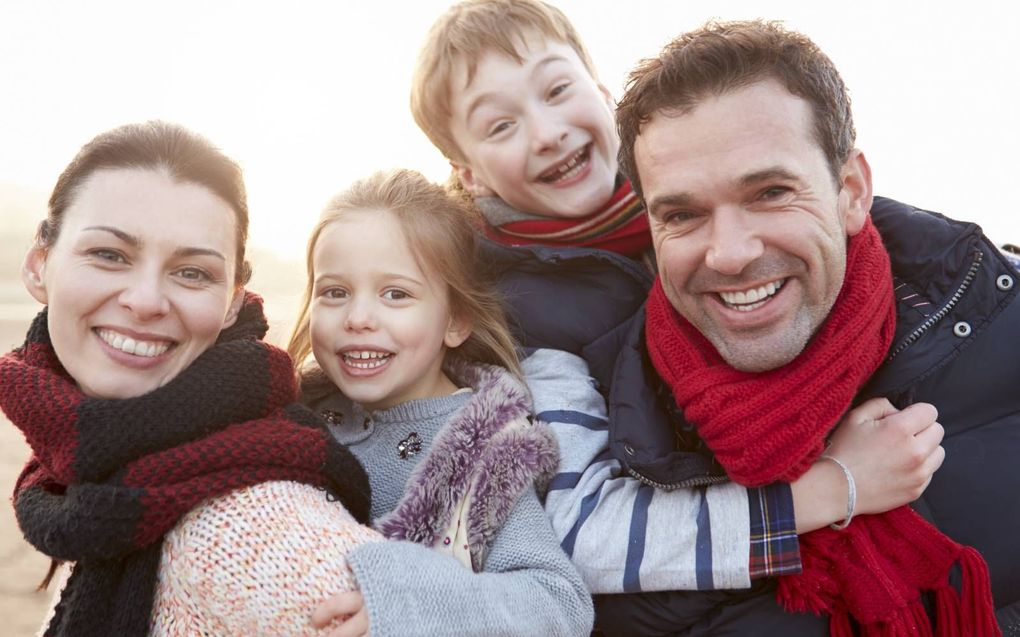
pixel 851 499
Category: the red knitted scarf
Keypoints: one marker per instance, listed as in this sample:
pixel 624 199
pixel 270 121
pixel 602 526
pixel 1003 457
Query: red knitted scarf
pixel 620 226
pixel 771 426
pixel 108 478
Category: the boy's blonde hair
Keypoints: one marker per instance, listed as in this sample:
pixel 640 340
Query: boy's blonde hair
pixel 443 241
pixel 467 31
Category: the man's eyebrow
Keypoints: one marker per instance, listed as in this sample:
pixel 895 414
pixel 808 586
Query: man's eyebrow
pixel 486 97
pixel 766 174
pixel 136 242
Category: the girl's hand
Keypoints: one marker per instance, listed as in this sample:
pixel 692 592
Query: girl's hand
pixel 892 455
pixel 348 610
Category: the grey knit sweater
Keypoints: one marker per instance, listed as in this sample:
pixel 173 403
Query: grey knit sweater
pixel 526 586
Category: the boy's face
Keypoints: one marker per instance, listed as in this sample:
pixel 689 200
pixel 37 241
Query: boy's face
pixel 540 135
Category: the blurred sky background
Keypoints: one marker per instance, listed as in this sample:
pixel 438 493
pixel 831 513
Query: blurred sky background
pixel 310 95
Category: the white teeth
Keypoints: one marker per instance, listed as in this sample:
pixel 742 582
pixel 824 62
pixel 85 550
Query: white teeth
pixel 366 359
pixel 145 349
pixel 567 169
pixel 747 300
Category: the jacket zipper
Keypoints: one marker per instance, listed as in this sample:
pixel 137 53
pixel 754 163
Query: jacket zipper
pixel 686 484
pixel 938 316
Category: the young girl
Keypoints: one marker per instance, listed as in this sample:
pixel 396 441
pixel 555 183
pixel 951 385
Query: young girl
pixel 415 371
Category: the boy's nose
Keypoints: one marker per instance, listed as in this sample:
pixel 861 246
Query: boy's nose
pixel 548 136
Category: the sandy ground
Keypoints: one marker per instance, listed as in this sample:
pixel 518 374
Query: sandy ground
pixel 21 567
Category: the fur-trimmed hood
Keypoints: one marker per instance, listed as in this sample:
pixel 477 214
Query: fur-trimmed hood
pixel 484 457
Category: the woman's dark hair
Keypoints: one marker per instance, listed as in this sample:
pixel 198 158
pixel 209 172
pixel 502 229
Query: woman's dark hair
pixel 183 155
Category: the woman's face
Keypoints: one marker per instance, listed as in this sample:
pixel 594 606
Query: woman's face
pixel 139 282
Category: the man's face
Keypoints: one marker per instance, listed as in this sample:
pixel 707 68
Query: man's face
pixel 538 134
pixel 749 228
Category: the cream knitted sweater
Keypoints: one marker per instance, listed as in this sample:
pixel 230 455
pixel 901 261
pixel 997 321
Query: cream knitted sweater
pixel 256 561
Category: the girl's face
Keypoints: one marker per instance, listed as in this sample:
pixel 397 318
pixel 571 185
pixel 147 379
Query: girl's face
pixel 380 324
pixel 139 282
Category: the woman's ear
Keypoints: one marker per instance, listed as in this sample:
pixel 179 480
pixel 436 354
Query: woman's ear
pixel 33 273
pixel 235 308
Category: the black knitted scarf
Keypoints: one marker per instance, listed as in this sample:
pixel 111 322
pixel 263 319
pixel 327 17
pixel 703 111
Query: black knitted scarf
pixel 109 478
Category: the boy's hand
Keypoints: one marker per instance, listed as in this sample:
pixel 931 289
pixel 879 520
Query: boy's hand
pixel 347 610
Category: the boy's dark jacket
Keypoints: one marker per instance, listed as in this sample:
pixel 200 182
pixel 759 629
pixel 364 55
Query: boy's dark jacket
pixel 960 352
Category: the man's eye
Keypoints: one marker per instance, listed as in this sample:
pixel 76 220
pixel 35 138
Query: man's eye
pixel 774 192
pixel 675 218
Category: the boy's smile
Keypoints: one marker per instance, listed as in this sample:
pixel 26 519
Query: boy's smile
pixel 539 134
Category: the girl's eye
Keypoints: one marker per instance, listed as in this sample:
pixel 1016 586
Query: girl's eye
pixel 334 293
pixel 396 295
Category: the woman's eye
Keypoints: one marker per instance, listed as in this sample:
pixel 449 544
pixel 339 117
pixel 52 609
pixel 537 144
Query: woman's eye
pixel 194 275
pixel 107 254
pixel 396 295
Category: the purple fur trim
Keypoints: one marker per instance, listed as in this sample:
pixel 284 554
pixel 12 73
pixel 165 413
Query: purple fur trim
pixel 475 452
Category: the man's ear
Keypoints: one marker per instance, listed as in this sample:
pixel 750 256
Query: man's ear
pixel 235 308
pixel 33 271
pixel 473 185
pixel 457 331
pixel 855 195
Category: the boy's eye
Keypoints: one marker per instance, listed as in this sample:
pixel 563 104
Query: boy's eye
pixel 499 127
pixel 395 295
pixel 558 89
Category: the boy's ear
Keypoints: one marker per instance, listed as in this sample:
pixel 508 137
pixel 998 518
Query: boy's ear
pixel 472 184
pixel 235 308
pixel 610 102
pixel 33 271
pixel 457 331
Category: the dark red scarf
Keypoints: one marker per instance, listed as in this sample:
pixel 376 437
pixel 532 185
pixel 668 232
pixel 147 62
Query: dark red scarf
pixel 620 226
pixel 772 426
pixel 108 478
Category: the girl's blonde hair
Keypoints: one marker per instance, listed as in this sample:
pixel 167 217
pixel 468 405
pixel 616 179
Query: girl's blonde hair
pixel 442 236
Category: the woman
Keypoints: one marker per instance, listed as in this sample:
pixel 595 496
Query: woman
pixel 169 464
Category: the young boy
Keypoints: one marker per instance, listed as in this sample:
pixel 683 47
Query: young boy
pixel 506 90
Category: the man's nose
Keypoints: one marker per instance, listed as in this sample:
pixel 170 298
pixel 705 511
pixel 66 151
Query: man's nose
pixel 733 242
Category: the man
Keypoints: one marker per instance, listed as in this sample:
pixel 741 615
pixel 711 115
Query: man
pixel 786 295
